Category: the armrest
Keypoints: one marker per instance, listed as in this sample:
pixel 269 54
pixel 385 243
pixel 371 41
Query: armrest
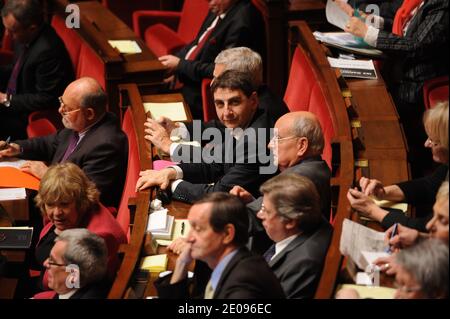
pixel 142 19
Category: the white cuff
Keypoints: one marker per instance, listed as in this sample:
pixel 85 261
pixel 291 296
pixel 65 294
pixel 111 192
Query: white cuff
pixel 172 149
pixel 174 185
pixel 178 170
pixel 371 36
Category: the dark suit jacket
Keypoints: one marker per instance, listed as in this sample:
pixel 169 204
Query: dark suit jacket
pixel 102 154
pixel 198 177
pixel 271 103
pixel 242 26
pixel 299 265
pixel 44 75
pixel 246 276
pixel 418 192
pixel 420 55
pixel 317 171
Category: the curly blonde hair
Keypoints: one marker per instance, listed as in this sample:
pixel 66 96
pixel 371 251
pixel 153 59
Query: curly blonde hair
pixel 436 123
pixel 67 183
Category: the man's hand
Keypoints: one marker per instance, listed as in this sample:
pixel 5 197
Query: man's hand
pixel 169 61
pixel 372 187
pixel 2 97
pixel 242 193
pixel 36 168
pixel 9 150
pixel 168 124
pixel 177 246
pixel 344 6
pixel 157 135
pixel 182 264
pixel 151 178
pixel 356 27
pixel 365 205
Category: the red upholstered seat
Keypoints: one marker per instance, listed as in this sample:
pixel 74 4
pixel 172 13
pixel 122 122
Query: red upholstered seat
pixel 133 169
pixel 209 110
pixel 6 50
pixel 91 65
pixel 124 8
pixel 40 127
pixel 435 90
pixel 165 32
pixel 70 38
pixel 304 93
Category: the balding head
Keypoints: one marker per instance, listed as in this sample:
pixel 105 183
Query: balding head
pixel 299 136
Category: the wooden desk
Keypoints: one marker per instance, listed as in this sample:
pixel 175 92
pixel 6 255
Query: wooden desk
pixel 97 26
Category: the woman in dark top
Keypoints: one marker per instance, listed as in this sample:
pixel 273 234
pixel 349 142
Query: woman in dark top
pixel 420 191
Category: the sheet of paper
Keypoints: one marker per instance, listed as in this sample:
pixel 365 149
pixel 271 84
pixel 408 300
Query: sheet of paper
pixel 368 257
pixel 356 238
pixel 387 204
pixel 12 193
pixel 335 15
pixel 174 110
pixel 354 68
pixel 157 220
pixel 372 292
pixel 12 162
pixel 13 177
pixel 363 278
pixel 155 263
pixel 125 46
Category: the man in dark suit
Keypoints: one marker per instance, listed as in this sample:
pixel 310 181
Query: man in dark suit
pixel 92 139
pixel 41 71
pixel 229 23
pixel 244 59
pixel 235 156
pixel 218 236
pixel 77 266
pixel 291 217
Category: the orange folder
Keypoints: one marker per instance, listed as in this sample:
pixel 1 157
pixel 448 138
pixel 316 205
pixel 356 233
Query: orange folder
pixel 13 177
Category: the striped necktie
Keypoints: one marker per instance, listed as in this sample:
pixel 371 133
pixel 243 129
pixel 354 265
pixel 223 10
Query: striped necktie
pixel 74 138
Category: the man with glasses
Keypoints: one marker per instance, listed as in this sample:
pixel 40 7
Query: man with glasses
pixel 92 139
pixel 77 266
pixel 42 67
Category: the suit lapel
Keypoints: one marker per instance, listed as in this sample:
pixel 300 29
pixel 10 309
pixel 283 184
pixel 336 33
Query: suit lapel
pixel 298 241
pixel 242 252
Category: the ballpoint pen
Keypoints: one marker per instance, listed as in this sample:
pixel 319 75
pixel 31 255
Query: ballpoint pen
pixel 394 232
pixel 6 143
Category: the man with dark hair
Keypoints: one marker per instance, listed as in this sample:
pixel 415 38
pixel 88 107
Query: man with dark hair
pixel 218 236
pixel 291 217
pixel 229 23
pixel 92 139
pixel 236 155
pixel 41 71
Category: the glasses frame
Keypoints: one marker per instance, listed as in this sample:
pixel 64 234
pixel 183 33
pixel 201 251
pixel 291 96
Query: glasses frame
pixel 277 139
pixel 52 263
pixel 65 113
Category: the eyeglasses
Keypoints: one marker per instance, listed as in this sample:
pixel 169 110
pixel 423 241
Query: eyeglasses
pixel 64 113
pixel 50 262
pixel 405 288
pixel 279 139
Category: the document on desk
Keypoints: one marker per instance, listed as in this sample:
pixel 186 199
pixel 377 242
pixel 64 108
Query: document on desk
pixel 12 193
pixel 155 263
pixel 335 15
pixel 347 42
pixel 370 292
pixel 12 162
pixel 15 237
pixel 356 239
pixel 172 110
pixel 14 177
pixel 354 68
pixel 125 46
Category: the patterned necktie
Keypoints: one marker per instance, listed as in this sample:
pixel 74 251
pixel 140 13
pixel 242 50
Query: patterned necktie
pixel 269 253
pixel 72 144
pixel 209 291
pixel 12 83
pixel 202 42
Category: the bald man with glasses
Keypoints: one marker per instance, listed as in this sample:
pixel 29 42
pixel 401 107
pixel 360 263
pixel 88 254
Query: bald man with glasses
pixel 92 139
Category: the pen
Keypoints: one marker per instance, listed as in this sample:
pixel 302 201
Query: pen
pixel 394 232
pixel 182 228
pixel 6 143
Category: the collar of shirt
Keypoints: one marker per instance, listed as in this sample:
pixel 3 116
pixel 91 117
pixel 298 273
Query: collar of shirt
pixel 82 134
pixel 282 244
pixel 217 272
pixel 67 295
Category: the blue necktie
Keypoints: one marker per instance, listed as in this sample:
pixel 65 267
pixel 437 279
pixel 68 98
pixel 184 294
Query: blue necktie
pixel 269 253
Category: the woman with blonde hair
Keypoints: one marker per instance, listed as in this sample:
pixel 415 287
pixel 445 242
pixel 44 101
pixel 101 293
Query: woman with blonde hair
pixel 421 191
pixel 68 199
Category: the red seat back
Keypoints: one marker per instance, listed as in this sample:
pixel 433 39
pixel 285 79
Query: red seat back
pixel 40 127
pixel 133 169
pixel 192 16
pixel 124 9
pixel 435 90
pixel 70 38
pixel 91 65
pixel 209 110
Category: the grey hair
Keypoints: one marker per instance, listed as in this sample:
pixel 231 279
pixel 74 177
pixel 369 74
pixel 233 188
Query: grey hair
pixel 86 250
pixel 295 198
pixel 26 12
pixel 427 262
pixel 244 60
pixel 311 129
pixel 443 191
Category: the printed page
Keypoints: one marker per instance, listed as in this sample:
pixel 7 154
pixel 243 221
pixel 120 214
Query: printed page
pixel 174 110
pixel 125 46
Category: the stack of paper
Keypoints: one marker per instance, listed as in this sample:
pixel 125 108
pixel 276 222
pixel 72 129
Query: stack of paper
pixel 181 229
pixel 160 224
pixel 155 263
pixel 12 193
